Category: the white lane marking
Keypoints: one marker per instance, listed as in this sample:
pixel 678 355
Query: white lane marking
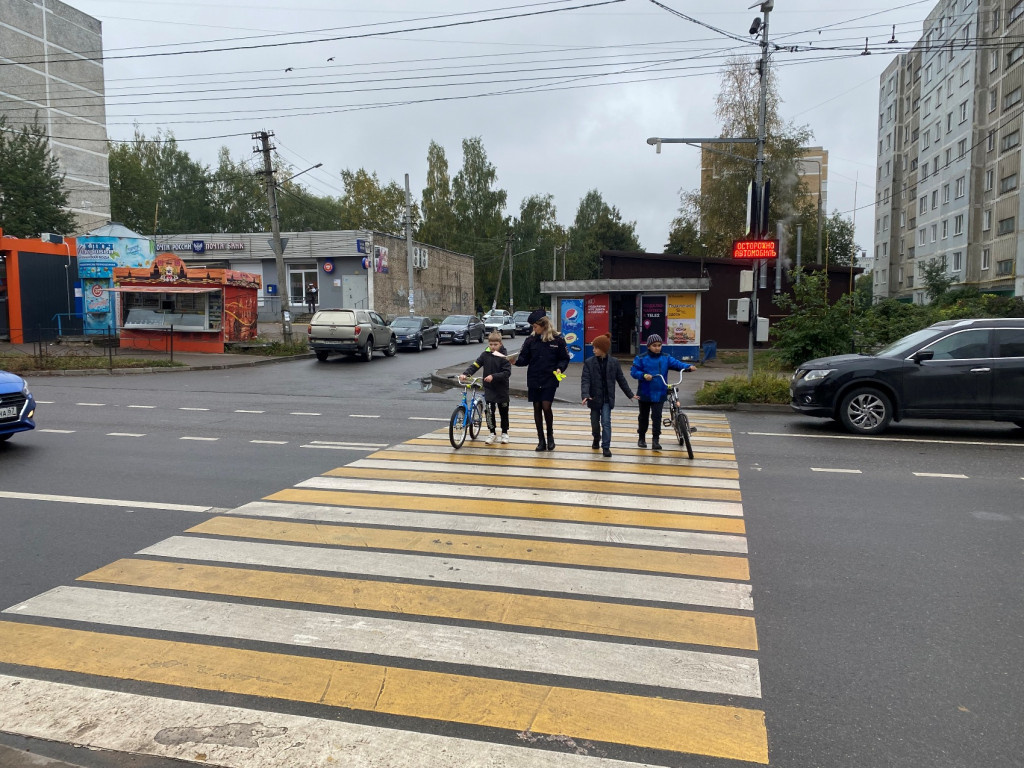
pixel 347 442
pixel 610 534
pixel 141 406
pixel 609 475
pixel 837 470
pixel 363 416
pixel 527 495
pixel 339 447
pixel 95 718
pixel 193 409
pixel 102 502
pixel 304 413
pixel 243 411
pixel 125 434
pixel 882 438
pixel 496 649
pixel 446 570
pixel 619 440
pixel 202 439
pixel 940 474
pixel 92 405
pixel 45 402
pixel 418 418
pixel 58 431
pixel 269 442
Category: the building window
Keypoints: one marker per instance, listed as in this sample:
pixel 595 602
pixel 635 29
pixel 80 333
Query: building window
pixel 958 259
pixel 986 258
pixel 922 236
pixel 945 228
pixel 935 232
pixel 993 99
pixel 922 204
pixel 1015 12
pixel 958 225
pixel 945 193
pixel 1010 140
pixel 1012 98
pixel 900 278
pixel 949 156
pixel 927 139
pixel 1004 267
pixel 885 223
pixel 989 179
pixel 963 112
pixel 935 199
pixel 1016 54
pixel 961 149
pixel 993 61
pixel 903 219
pixel 986 221
pixel 963 74
pixel 1006 226
pixel 995 18
pixel 1008 183
pixel 924 170
pixel 960 184
pixel 990 143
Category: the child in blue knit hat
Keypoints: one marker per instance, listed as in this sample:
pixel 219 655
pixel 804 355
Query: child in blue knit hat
pixel 653 391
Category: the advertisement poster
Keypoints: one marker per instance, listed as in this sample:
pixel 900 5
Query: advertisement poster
pixel 380 258
pixel 652 318
pixel 97 297
pixel 597 315
pixel 682 320
pixel 572 328
pixel 97 254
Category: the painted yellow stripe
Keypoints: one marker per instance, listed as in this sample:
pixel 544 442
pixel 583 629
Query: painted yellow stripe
pixel 491 547
pixel 673 455
pixel 495 460
pixel 522 509
pixel 544 483
pixel 678 726
pixel 509 609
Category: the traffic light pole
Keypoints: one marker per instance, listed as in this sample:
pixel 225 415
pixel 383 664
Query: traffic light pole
pixel 762 219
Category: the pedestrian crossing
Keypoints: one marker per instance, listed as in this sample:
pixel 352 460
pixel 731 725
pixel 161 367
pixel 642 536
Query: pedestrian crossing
pixel 422 606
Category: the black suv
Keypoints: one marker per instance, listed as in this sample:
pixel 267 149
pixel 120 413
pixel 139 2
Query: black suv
pixel 956 369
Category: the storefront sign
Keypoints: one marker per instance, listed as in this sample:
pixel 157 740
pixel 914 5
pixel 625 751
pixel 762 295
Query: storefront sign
pixel 597 315
pixel 652 318
pixel 361 247
pixel 755 249
pixel 199 246
pixel 572 327
pixel 328 266
pixel 682 319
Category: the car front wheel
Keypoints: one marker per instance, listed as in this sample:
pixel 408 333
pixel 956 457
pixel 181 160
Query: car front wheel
pixel 392 348
pixel 865 411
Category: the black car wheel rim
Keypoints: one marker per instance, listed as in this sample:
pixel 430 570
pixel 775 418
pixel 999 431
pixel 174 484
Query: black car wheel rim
pixel 866 411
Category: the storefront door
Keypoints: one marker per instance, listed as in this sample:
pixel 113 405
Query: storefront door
pixel 299 276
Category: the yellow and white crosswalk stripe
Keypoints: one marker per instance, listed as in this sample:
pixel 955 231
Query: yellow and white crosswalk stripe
pixel 486 606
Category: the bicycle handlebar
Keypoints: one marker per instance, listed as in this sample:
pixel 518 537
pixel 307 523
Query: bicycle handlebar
pixel 472 381
pixel 677 382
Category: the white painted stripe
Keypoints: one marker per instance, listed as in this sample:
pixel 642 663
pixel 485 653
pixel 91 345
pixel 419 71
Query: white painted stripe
pixel 418 418
pixel 836 470
pixel 447 570
pixel 363 416
pixel 348 442
pixel 202 439
pixel 243 411
pixel 304 413
pixel 611 534
pixel 125 434
pixel 609 475
pixel 527 495
pixel 940 474
pixel 669 449
pixel 269 442
pixel 142 406
pixel 193 409
pixel 340 447
pixel 95 718
pixel 564 455
pixel 46 402
pixel 885 439
pixel 58 431
pixel 495 649
pixel 102 502
pixel 93 405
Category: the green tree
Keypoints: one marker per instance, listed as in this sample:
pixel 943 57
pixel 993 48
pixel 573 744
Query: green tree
pixel 935 278
pixel 814 327
pixel 597 226
pixel 368 204
pixel 438 225
pixel 480 216
pixel 837 244
pixel 684 238
pixel 238 197
pixel 535 228
pixel 32 196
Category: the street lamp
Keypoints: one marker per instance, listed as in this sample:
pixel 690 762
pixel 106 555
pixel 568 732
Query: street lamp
pixel 511 303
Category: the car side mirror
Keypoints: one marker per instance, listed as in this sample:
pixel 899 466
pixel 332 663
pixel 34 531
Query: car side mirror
pixel 922 355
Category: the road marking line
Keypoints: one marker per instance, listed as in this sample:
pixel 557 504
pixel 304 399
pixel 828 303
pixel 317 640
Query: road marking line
pixel 940 474
pixel 612 534
pixel 566 449
pixel 519 455
pixel 304 413
pixel 58 431
pixel 338 447
pixel 883 438
pixel 94 717
pixel 269 442
pixel 663 624
pixel 102 502
pixel 496 649
pixel 420 418
pixel 477 546
pixel 717 730
pixel 202 439
pixel 93 405
pixel 141 406
pixel 46 402
pixel 243 411
pixel 837 470
pixel 193 409
pixel 480 574
pixel 125 434
pixel 347 442
pixel 363 416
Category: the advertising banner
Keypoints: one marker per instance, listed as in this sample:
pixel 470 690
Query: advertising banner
pixel 572 327
pixel 597 315
pixel 682 327
pixel 652 318
pixel 97 254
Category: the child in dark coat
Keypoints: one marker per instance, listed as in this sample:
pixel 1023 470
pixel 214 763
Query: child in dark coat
pixel 600 375
pixel 496 371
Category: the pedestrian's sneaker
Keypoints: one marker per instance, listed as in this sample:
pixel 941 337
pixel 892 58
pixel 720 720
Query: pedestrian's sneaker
pixel 490 440
pixel 504 437
pixel 655 446
pixel 641 443
pixel 607 453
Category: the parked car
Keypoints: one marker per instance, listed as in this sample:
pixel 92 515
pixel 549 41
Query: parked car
pixel 501 321
pixel 17 406
pixel 522 323
pixel 351 332
pixel 956 369
pixel 415 332
pixel 462 329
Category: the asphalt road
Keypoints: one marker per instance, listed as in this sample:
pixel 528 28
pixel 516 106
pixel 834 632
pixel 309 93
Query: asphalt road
pixel 885 571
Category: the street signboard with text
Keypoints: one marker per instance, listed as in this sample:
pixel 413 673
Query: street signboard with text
pixel 755 249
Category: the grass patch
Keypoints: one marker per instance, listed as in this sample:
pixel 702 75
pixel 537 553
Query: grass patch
pixel 765 387
pixel 266 348
pixel 29 363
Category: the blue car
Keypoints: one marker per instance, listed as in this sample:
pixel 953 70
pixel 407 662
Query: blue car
pixel 17 406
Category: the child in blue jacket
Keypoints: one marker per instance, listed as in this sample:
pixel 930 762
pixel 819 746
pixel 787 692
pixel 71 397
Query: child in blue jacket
pixel 652 390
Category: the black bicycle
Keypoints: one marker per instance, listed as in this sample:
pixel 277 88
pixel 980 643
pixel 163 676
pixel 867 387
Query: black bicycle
pixel 676 418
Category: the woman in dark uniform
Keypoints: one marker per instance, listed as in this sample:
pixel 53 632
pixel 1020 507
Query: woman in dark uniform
pixel 544 354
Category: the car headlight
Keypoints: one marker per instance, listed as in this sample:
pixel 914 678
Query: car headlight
pixel 24 389
pixel 818 373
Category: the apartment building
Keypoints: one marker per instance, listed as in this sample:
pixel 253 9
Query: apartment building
pixel 948 168
pixel 51 71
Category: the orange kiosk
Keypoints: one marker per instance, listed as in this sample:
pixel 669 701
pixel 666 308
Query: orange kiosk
pixel 198 309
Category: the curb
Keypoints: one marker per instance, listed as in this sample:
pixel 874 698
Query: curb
pixel 172 369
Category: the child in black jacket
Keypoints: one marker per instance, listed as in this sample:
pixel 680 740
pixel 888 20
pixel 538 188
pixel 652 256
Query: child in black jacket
pixel 496 371
pixel 597 386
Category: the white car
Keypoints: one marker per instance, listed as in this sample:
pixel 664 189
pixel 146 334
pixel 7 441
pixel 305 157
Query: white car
pixel 501 321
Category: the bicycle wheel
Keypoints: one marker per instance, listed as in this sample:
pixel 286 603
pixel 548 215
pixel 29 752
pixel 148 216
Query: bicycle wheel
pixel 457 427
pixel 682 426
pixel 476 419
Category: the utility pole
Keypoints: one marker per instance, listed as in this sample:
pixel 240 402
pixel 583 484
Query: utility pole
pixel 408 243
pixel 501 268
pixel 511 300
pixel 275 227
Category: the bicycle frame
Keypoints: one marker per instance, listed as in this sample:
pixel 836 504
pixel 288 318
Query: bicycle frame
pixel 676 418
pixel 468 415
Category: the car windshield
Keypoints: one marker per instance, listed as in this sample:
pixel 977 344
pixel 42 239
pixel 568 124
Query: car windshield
pixel 899 348
pixel 405 322
pixel 520 316
pixel 456 320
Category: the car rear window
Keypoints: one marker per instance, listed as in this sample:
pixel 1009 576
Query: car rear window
pixel 456 319
pixel 338 316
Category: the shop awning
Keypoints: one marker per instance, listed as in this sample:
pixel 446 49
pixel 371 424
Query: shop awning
pixel 160 289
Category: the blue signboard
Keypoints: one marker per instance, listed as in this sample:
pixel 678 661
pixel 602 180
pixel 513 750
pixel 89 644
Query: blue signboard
pixel 572 327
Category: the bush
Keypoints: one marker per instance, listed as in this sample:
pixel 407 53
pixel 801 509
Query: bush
pixel 763 388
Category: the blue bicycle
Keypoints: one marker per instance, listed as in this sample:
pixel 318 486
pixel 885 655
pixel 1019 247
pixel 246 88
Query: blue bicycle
pixel 468 416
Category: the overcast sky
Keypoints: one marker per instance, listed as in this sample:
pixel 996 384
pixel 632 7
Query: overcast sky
pixel 563 101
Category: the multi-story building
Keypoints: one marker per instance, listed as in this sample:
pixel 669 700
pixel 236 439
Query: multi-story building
pixel 949 128
pixel 51 72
